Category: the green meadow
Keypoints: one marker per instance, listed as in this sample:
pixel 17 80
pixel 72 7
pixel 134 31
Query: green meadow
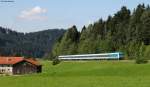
pixel 84 74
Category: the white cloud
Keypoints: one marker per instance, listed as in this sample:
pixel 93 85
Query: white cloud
pixel 35 13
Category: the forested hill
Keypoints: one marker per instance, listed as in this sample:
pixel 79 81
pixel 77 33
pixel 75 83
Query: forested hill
pixel 124 31
pixel 35 44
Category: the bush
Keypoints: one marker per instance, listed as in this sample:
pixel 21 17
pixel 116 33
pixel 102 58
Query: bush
pixel 147 52
pixel 140 59
pixel 55 61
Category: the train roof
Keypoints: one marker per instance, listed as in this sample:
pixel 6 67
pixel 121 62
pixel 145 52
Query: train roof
pixel 92 54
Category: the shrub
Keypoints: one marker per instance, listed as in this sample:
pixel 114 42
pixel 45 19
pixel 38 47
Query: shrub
pixel 140 59
pixel 55 61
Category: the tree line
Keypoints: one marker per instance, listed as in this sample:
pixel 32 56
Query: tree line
pixel 125 31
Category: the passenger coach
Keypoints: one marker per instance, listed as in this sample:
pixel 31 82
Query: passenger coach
pixel 101 56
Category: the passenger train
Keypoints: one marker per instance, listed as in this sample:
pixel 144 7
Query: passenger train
pixel 101 56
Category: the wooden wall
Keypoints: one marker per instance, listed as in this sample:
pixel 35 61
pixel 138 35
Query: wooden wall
pixel 24 68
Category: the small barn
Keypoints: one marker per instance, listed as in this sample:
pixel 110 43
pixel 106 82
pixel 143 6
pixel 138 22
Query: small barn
pixel 19 66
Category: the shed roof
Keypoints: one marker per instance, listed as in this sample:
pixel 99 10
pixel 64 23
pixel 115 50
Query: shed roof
pixel 15 60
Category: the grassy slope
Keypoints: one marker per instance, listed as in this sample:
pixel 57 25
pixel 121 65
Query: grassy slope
pixel 84 74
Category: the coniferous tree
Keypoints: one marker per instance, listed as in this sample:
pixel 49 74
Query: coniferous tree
pixel 122 32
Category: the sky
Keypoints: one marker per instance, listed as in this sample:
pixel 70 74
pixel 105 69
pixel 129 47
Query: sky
pixel 37 15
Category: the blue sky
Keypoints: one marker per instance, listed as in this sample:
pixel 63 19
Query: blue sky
pixel 36 15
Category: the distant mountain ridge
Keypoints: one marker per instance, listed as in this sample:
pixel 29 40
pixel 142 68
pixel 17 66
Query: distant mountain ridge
pixel 34 44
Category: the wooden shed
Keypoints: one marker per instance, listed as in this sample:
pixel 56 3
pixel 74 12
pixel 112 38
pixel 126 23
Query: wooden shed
pixel 19 65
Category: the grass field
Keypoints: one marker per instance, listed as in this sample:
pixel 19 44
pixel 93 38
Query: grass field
pixel 84 74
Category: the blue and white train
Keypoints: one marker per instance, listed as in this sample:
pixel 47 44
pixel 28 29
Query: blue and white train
pixel 101 56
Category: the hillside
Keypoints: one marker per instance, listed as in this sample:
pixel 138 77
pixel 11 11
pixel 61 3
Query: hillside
pixel 126 31
pixel 35 44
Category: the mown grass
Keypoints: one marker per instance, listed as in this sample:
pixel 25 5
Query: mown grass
pixel 84 74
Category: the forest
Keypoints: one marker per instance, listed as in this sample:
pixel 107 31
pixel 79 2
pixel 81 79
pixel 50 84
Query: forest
pixel 34 44
pixel 126 31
